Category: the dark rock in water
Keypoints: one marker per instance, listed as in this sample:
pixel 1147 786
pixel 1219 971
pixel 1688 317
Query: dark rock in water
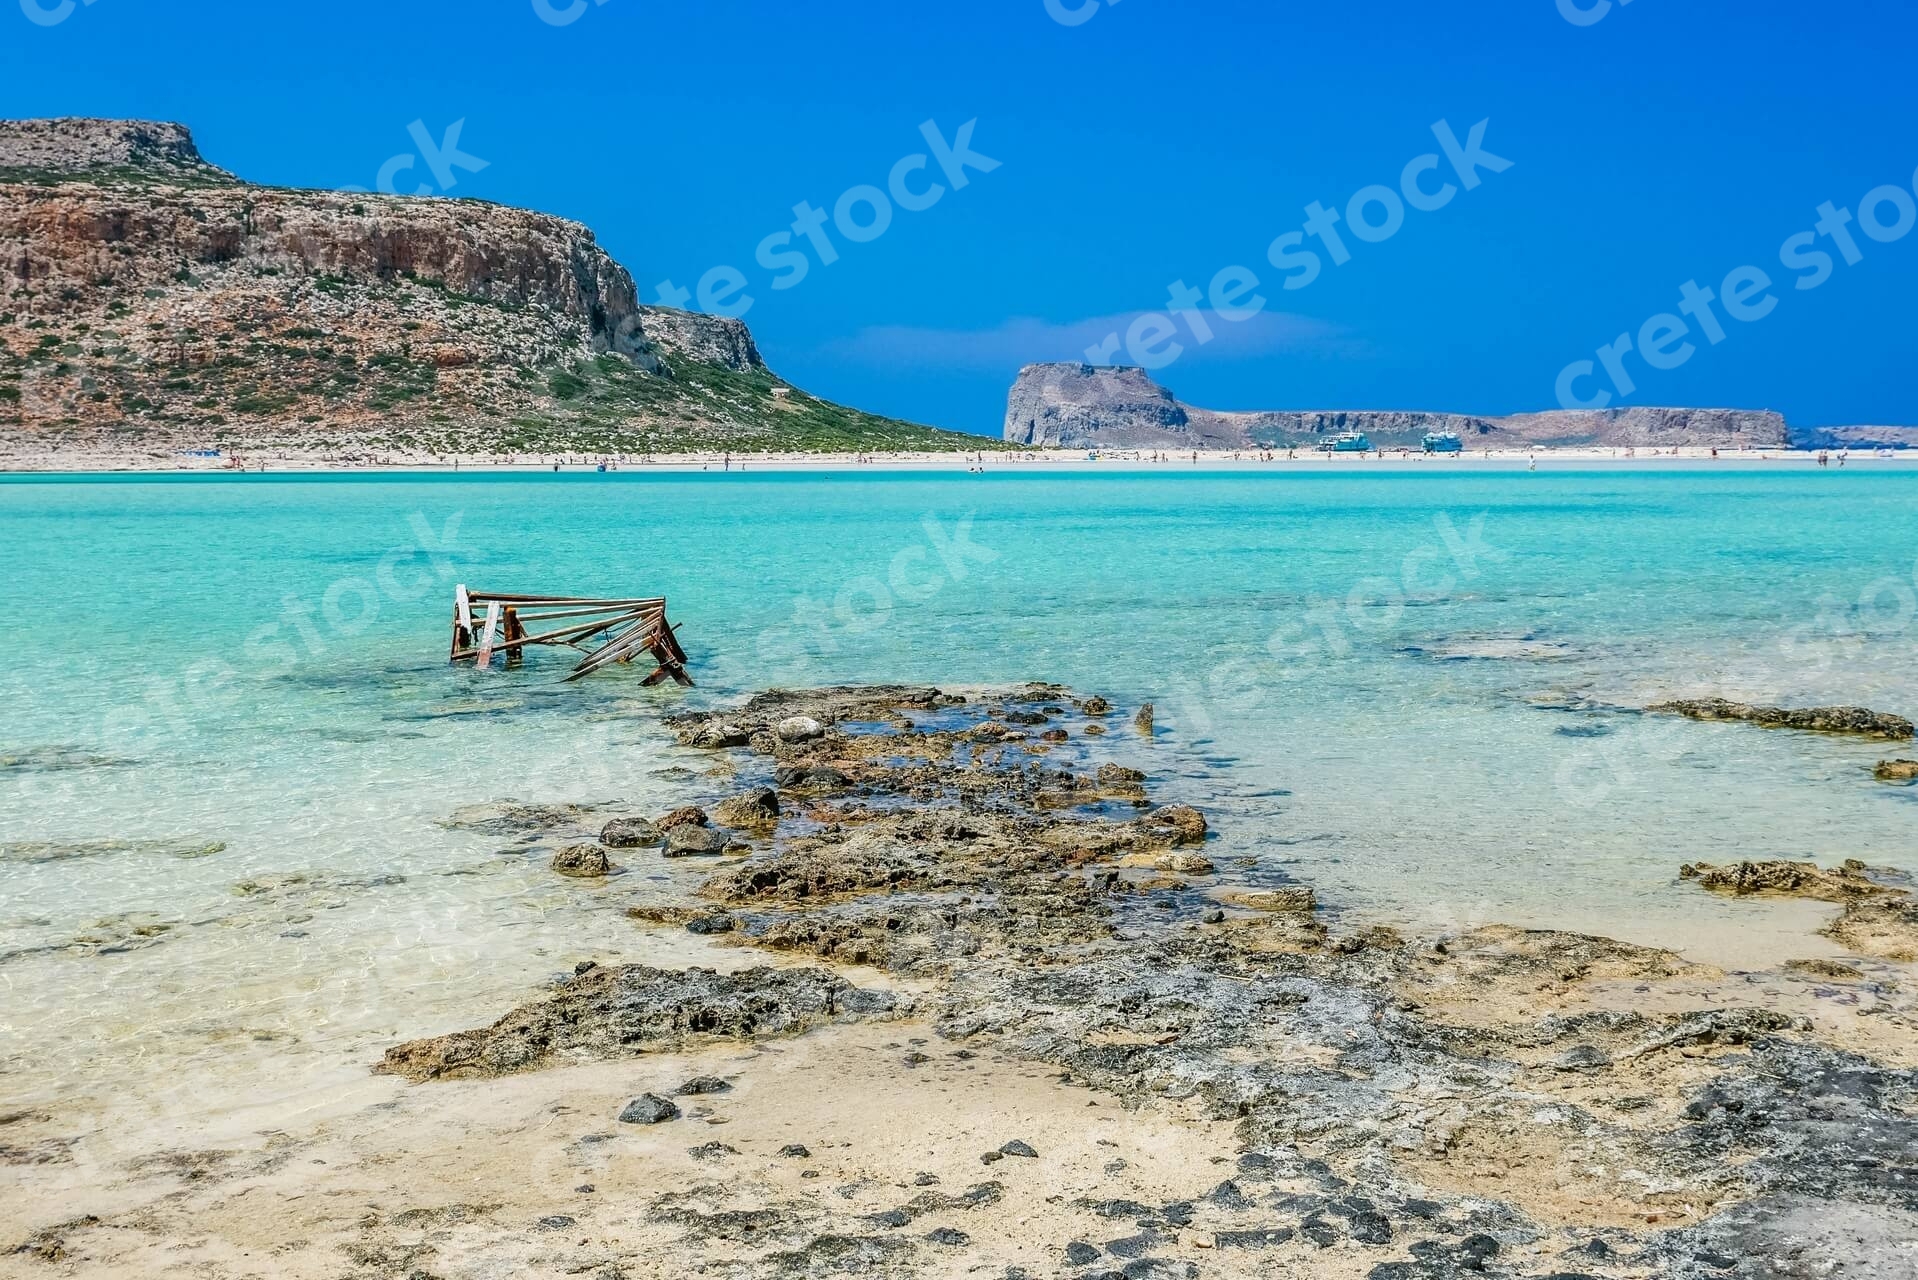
pixel 1180 823
pixel 583 862
pixel 512 818
pixel 949 1237
pixel 711 924
pixel 795 777
pixel 1143 722
pixel 1018 1148
pixel 630 833
pixel 1081 1254
pixel 1896 771
pixel 701 1085
pixel 1096 706
pixel 649 1108
pixel 795 1151
pixel 622 1011
pixel 686 815
pixel 756 810
pixel 1852 720
pixel 715 736
pixel 1055 735
pixel 689 841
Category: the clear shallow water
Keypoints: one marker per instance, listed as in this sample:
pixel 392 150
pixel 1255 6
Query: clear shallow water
pixel 220 839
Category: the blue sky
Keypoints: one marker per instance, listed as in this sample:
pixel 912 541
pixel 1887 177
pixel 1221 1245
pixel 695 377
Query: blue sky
pixel 1153 141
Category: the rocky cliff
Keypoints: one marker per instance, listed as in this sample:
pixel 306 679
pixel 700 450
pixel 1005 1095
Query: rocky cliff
pixel 1087 406
pixel 146 295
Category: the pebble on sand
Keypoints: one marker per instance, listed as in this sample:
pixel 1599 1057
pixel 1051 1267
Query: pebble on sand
pixel 649 1108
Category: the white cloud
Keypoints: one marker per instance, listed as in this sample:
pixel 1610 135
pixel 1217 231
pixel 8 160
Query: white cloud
pixel 1023 340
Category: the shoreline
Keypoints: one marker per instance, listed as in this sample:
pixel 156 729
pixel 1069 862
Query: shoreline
pixel 1052 461
pixel 971 998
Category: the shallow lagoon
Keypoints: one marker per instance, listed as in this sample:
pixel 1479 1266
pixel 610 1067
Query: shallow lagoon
pixel 231 738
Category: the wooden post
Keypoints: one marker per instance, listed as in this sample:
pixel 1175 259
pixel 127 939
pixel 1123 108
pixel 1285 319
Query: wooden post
pixel 491 634
pixel 462 621
pixel 515 654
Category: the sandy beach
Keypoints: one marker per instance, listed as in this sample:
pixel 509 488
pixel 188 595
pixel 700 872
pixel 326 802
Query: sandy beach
pixel 989 459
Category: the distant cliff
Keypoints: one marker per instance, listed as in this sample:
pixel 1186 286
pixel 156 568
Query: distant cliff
pixel 1090 406
pixel 147 296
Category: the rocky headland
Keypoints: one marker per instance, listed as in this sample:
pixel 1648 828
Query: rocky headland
pixel 1094 406
pixel 152 301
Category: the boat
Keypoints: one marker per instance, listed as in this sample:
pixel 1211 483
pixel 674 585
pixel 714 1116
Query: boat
pixel 1347 442
pixel 1443 442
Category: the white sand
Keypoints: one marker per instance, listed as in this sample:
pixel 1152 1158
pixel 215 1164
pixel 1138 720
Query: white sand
pixel 988 460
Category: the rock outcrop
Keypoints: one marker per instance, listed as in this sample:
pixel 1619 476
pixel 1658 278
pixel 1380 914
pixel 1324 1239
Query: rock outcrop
pixel 64 147
pixel 1091 406
pixel 151 297
pixel 628 1010
pixel 1861 721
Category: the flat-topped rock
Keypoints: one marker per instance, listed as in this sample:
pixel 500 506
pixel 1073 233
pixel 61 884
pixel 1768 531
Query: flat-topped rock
pixel 626 1010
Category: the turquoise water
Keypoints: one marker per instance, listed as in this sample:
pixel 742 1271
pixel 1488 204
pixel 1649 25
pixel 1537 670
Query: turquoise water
pixel 1417 692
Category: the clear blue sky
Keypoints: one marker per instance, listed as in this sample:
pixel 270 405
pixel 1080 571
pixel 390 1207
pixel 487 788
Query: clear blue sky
pixel 1669 140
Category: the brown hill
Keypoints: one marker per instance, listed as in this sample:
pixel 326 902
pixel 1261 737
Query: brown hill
pixel 150 300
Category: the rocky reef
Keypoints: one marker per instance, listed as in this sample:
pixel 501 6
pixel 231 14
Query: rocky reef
pixel 151 298
pixel 1856 721
pixel 1880 917
pixel 1090 406
pixel 1490 1102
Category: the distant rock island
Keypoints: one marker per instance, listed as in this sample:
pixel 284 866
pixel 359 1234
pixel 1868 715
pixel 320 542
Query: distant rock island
pixel 149 300
pixel 1073 406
